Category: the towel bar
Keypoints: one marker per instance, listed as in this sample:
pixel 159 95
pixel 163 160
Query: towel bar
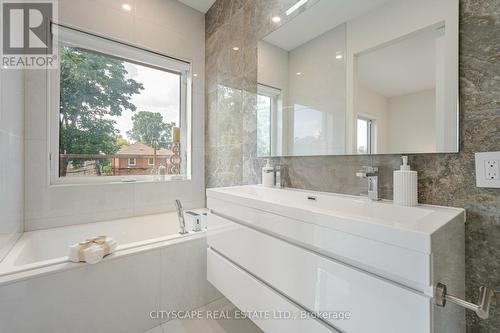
pixel 482 309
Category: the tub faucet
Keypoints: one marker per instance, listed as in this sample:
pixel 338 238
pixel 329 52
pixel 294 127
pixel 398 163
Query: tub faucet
pixel 371 174
pixel 180 217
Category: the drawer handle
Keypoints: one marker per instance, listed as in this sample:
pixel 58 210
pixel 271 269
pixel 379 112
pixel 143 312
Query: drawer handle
pixel 482 309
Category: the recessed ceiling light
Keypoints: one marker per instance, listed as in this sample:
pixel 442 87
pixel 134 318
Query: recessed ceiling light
pixel 195 75
pixel 295 7
pixel 127 7
pixel 339 56
pixel 298 73
pixel 236 48
pixel 276 19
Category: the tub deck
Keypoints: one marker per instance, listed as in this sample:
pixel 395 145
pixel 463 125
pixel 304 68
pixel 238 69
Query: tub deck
pixel 44 251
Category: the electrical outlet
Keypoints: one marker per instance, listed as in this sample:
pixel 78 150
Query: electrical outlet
pixel 488 169
pixel 492 170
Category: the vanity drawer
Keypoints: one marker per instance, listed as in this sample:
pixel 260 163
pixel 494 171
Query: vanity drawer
pixel 408 267
pixel 321 284
pixel 249 294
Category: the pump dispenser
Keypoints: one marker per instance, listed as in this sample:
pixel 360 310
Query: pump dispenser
pixel 268 175
pixel 405 185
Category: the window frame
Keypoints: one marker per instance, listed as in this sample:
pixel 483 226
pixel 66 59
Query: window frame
pixel 275 94
pixel 152 159
pixel 73 37
pixel 132 164
pixel 370 135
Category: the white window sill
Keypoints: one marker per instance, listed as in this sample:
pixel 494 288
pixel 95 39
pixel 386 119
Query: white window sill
pixel 113 180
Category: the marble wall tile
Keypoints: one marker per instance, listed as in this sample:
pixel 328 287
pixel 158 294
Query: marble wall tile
pixel 444 179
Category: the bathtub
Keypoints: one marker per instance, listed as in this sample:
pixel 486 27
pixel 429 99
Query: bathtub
pixel 154 268
pixel 48 248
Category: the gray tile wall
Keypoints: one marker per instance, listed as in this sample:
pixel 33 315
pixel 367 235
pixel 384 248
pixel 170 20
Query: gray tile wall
pixel 444 179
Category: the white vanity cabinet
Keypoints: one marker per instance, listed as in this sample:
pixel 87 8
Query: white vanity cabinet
pixel 315 262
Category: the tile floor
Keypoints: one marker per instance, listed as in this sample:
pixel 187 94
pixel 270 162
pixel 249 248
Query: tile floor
pixel 209 325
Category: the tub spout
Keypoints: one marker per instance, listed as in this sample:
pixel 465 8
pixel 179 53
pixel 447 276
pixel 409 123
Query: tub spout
pixel 180 216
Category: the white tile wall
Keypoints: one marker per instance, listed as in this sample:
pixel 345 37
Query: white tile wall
pixel 182 290
pixel 12 158
pixel 113 296
pixel 166 26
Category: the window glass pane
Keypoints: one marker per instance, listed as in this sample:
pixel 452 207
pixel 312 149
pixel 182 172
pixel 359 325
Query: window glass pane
pixel 264 113
pixel 115 114
pixel 362 142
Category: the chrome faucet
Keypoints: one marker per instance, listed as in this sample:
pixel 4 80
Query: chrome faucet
pixel 180 217
pixel 371 174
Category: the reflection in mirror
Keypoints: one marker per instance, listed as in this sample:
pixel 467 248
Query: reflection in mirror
pixel 360 77
pixel 365 139
pixel 397 96
pixel 309 93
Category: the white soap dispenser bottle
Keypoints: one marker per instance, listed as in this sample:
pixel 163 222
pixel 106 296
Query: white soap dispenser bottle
pixel 268 175
pixel 405 185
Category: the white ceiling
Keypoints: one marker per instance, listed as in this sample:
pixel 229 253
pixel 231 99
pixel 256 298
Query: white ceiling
pixel 318 19
pixel 403 67
pixel 200 5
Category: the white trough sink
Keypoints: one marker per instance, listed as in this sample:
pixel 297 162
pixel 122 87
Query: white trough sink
pixel 408 227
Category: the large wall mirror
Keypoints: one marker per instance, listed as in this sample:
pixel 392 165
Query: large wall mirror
pixel 350 77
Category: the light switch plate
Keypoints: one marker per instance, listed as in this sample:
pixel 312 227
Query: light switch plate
pixel 488 169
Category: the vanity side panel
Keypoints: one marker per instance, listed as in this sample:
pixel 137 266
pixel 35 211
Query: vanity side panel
pixel 448 267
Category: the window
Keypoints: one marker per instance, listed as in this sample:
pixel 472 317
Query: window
pixel 264 112
pixel 117 106
pixel 267 104
pixel 365 130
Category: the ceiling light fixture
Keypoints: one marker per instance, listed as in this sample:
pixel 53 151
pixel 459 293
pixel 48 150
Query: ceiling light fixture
pixel 295 7
pixel 236 48
pixel 298 73
pixel 127 7
pixel 195 75
pixel 339 56
pixel 276 19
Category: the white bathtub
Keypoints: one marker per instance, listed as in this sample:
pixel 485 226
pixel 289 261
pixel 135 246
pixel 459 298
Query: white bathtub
pixel 49 247
pixel 154 268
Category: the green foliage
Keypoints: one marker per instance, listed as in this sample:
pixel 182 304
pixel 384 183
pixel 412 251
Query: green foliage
pixel 149 129
pixel 121 142
pixel 108 171
pixel 93 87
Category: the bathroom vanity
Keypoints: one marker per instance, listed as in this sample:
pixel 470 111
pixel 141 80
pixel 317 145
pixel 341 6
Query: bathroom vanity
pixel 302 261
